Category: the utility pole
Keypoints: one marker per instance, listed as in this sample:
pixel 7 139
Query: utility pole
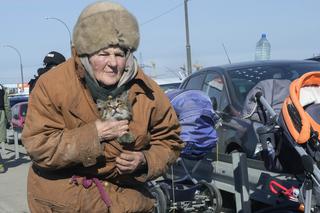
pixel 188 48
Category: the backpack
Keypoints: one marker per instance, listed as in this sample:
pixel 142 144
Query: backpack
pixel 197 120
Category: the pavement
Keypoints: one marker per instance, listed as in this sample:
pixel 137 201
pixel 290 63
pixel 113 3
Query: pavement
pixel 13 182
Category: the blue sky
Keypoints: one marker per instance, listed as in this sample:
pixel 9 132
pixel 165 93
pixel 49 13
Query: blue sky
pixel 290 25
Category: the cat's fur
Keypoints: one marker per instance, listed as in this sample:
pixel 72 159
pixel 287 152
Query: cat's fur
pixel 117 108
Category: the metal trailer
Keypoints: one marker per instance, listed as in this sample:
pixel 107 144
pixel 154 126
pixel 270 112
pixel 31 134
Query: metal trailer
pixel 247 179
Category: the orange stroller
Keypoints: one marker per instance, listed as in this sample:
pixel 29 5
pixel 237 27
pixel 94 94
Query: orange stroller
pixel 299 126
pixel 300 118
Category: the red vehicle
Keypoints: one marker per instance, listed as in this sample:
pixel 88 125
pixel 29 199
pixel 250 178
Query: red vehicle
pixel 19 112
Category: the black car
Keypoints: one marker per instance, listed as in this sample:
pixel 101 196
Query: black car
pixel 228 86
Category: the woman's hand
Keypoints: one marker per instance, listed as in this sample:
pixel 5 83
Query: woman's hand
pixel 111 129
pixel 129 161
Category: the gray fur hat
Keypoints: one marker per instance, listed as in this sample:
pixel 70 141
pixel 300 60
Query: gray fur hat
pixel 103 24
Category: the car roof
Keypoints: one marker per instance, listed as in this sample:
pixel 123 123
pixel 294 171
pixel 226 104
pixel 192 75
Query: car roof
pixel 20 103
pixel 259 63
pixel 13 100
pixel 19 97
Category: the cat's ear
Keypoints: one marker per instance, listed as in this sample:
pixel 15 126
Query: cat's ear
pixel 124 95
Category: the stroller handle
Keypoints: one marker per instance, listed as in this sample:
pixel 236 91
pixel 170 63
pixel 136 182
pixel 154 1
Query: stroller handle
pixel 273 115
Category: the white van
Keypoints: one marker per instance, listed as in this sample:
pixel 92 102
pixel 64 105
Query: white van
pixel 168 83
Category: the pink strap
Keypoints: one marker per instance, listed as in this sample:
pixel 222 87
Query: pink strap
pixel 86 183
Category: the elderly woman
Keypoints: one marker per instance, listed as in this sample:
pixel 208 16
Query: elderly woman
pixel 78 165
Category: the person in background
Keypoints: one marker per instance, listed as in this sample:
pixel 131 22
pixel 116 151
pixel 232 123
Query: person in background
pixel 51 60
pixel 5 119
pixel 78 165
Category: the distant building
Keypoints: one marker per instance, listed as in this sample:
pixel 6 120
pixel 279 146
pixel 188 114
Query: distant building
pixel 16 89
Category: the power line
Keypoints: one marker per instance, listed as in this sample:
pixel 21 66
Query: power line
pixel 162 14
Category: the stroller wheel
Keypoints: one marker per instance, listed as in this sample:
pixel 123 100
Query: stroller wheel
pixel 214 203
pixel 161 201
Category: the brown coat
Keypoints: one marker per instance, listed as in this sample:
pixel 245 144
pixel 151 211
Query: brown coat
pixel 61 138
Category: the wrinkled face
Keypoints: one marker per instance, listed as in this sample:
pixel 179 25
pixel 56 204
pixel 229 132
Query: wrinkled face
pixel 108 65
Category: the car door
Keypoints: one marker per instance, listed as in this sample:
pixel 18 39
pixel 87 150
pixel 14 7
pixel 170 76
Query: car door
pixel 15 116
pixel 215 86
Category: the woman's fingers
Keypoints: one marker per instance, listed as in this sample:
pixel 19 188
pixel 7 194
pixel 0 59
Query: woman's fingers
pixel 111 129
pixel 129 161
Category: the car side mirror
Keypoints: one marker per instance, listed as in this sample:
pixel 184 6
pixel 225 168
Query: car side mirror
pixel 214 103
pixel 16 116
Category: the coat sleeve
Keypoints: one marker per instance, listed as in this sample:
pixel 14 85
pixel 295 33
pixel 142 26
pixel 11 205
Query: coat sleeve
pixel 47 140
pixel 165 142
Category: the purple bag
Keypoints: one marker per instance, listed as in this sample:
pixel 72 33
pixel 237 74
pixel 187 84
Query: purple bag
pixel 197 119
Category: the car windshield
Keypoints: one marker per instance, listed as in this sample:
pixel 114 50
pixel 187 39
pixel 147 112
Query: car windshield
pixel 243 79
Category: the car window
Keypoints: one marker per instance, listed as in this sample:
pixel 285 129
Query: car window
pixel 244 79
pixel 15 111
pixel 195 82
pixel 215 88
pixel 23 110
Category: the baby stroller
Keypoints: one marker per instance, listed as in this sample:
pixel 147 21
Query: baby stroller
pixel 187 186
pixel 291 140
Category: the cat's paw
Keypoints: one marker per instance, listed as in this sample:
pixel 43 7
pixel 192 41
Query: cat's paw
pixel 127 138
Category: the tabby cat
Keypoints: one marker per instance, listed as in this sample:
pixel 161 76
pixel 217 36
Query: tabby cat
pixel 117 108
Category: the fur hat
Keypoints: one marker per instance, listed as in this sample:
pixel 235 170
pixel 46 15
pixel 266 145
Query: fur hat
pixel 103 24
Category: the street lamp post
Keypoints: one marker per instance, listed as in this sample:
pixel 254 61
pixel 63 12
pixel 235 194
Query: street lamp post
pixel 66 26
pixel 21 67
pixel 189 68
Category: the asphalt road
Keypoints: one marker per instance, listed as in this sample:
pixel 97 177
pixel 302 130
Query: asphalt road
pixel 13 183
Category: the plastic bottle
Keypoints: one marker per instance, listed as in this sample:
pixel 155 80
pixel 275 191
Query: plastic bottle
pixel 263 48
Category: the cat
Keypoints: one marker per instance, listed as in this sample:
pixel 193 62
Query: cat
pixel 117 108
